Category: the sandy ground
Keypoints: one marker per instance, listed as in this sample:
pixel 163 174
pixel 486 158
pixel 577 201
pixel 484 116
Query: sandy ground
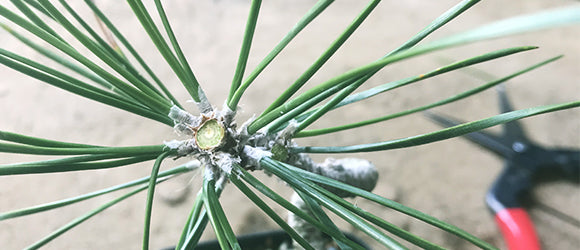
pixel 446 179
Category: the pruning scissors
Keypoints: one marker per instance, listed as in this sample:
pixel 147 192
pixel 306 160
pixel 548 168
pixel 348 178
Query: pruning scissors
pixel 526 164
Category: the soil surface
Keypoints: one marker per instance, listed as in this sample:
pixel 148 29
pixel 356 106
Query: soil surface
pixel 447 179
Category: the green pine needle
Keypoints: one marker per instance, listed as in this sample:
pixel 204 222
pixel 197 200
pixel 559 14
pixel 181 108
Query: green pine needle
pixel 443 134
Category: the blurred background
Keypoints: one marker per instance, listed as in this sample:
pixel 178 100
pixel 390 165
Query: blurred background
pixel 446 179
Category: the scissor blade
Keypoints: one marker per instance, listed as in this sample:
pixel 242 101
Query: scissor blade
pixel 512 130
pixel 486 140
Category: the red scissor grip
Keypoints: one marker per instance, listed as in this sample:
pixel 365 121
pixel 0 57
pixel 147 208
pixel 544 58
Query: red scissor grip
pixel 517 229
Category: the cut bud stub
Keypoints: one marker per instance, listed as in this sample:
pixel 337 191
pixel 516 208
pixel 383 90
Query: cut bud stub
pixel 210 135
pixel 279 152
